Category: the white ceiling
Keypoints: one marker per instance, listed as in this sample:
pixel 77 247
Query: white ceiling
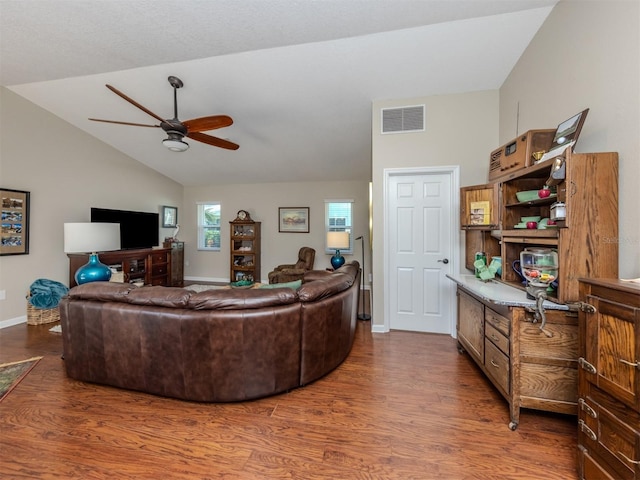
pixel 297 76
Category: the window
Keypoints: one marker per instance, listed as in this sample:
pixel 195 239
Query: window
pixel 209 226
pixel 338 218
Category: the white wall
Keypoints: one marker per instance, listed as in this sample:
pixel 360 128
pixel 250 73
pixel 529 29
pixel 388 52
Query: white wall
pixel 262 202
pixel 587 55
pixel 67 172
pixel 461 130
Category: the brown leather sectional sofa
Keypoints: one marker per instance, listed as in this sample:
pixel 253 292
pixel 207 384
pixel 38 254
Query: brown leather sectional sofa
pixel 214 346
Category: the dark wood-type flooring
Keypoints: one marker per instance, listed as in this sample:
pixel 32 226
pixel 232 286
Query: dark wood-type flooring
pixel 402 406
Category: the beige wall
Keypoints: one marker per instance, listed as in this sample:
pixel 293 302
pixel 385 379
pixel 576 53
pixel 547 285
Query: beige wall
pixel 66 180
pixel 67 172
pixel 460 130
pixel 587 55
pixel 262 202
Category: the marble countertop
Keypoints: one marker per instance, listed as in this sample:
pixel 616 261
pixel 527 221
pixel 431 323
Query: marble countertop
pixel 500 293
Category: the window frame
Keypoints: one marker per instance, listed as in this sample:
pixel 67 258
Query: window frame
pixel 200 209
pixel 348 227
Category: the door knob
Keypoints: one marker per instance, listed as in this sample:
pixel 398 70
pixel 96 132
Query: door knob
pixel 444 260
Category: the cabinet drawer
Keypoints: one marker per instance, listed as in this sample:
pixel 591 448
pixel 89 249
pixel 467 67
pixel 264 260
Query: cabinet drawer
pixel 613 438
pixel 497 321
pixel 159 269
pixel 159 257
pixel 498 339
pixel 496 364
pixel 162 281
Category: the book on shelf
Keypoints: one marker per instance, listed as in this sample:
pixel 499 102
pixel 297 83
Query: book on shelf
pixel 480 213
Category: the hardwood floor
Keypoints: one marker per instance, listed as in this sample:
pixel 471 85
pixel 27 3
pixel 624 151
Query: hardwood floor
pixel 402 406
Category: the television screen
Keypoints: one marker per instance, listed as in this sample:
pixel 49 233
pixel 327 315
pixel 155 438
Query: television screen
pixel 137 229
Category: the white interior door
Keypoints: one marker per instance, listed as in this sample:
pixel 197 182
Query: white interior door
pixel 420 251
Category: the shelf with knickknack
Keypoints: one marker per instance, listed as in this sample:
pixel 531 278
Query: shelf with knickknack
pixel 586 200
pixel 244 248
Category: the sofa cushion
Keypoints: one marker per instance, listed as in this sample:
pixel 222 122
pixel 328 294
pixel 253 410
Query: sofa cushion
pixel 294 285
pixel 101 291
pixel 325 287
pixel 159 296
pixel 236 299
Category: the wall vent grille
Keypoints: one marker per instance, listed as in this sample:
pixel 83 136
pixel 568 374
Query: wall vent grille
pixel 403 119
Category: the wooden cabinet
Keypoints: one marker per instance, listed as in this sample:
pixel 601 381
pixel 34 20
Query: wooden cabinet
pixel 177 263
pixel 586 241
pixel 245 249
pixel 531 367
pixel 152 266
pixel 609 380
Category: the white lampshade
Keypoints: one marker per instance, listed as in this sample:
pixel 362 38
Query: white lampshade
pixel 91 237
pixel 338 240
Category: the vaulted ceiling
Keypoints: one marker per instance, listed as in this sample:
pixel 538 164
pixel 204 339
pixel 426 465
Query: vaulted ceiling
pixel 298 77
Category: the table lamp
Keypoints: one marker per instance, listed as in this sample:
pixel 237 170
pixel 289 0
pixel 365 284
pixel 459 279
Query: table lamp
pixel 337 241
pixel 91 237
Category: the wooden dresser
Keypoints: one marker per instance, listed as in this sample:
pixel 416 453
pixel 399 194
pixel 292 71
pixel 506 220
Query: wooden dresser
pixel 609 380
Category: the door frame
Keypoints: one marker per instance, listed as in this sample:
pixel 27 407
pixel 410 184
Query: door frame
pixel 453 171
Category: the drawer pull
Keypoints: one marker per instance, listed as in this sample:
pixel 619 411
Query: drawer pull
pixel 494 363
pixel 634 462
pixel 634 365
pixel 587 366
pixel 587 431
pixel 586 408
pixel 494 337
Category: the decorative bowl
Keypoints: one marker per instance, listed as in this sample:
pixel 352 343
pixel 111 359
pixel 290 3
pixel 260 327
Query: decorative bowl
pixel 527 195
pixel 525 220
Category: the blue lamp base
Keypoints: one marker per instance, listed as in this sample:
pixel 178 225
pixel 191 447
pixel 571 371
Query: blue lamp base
pixel 337 260
pixel 93 271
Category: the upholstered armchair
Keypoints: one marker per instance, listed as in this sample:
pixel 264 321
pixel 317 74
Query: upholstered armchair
pixel 295 271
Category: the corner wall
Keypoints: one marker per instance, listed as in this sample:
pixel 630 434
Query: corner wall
pixel 587 55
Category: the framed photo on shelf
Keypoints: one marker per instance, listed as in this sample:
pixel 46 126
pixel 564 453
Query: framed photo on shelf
pixel 15 222
pixel 293 219
pixel 169 217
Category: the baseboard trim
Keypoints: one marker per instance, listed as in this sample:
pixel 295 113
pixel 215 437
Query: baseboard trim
pixel 13 321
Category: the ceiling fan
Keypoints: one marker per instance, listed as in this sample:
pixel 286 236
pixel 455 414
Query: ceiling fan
pixel 177 130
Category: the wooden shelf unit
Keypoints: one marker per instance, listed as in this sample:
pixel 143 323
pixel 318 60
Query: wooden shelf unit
pixel 244 250
pixel 177 262
pixel 586 241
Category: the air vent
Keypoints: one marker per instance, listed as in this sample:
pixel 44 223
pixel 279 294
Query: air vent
pixel 403 119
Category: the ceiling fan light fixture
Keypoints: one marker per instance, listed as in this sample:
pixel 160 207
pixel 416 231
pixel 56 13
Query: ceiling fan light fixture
pixel 175 143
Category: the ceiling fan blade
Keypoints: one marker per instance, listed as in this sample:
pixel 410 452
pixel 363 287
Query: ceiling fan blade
pixel 133 102
pixel 207 123
pixel 215 141
pixel 124 123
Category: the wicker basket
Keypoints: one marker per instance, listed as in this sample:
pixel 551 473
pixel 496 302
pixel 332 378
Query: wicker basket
pixel 40 316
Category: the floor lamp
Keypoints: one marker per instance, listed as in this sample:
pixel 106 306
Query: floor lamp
pixel 363 315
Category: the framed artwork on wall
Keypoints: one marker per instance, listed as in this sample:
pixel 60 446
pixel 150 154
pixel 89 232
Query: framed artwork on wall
pixel 169 217
pixel 293 219
pixel 15 222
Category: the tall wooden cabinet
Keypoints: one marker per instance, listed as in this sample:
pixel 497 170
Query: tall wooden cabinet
pixel 586 240
pixel 244 248
pixel 609 380
pixel 177 263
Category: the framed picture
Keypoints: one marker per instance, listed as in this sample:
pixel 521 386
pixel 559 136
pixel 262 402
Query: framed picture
pixel 15 222
pixel 293 219
pixel 169 217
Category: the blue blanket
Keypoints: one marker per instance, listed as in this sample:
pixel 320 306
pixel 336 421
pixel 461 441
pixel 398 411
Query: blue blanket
pixel 46 293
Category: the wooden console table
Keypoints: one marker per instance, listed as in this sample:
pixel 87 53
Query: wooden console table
pixel 149 265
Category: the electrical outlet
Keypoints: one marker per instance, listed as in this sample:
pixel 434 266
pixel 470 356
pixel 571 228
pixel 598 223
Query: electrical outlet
pixel 370 278
pixel 186 263
pixel 3 294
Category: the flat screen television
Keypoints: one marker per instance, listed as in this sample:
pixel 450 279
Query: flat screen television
pixel 137 229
